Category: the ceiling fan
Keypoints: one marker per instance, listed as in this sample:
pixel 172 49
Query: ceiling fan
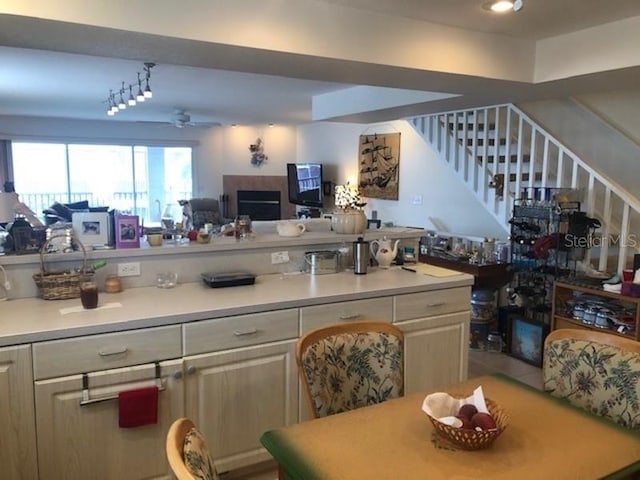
pixel 181 119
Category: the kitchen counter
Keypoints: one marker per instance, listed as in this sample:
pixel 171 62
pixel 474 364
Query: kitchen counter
pixel 35 320
pixel 189 260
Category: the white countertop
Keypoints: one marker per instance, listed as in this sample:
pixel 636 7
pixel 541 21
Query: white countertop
pixel 34 320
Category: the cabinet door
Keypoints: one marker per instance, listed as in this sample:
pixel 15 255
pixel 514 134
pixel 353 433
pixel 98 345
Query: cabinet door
pixel 234 396
pixel 17 417
pixel 435 351
pixel 81 442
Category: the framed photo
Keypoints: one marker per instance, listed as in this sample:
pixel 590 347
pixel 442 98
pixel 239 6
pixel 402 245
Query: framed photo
pixel 526 339
pixel 127 231
pixel 92 229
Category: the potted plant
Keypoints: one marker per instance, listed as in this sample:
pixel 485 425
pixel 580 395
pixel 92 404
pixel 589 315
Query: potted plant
pixel 348 216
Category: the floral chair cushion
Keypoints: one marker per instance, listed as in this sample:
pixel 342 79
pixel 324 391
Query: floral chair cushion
pixel 351 370
pixel 599 378
pixel 196 456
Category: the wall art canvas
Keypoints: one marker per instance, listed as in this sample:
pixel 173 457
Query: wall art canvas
pixel 379 165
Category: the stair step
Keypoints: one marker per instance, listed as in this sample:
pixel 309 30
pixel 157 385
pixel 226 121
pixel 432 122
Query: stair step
pixel 470 126
pixel 524 177
pixel 491 142
pixel 526 158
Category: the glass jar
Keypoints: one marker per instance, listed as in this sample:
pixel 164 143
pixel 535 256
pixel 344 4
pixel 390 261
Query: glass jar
pixel 494 342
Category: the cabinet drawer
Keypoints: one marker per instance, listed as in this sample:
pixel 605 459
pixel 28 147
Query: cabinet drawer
pixel 375 309
pixel 240 331
pixel 437 302
pixel 101 352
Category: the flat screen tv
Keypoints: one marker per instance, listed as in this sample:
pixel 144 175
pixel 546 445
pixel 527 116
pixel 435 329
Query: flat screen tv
pixel 305 184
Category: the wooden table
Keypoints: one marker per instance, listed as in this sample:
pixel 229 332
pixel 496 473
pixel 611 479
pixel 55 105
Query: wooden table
pixel 487 275
pixel 545 438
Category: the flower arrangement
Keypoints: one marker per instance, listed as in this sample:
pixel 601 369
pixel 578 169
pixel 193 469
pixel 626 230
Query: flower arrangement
pixel 347 197
pixel 258 157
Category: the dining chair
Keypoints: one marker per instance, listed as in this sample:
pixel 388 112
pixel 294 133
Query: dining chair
pixel 347 366
pixel 187 452
pixel 596 371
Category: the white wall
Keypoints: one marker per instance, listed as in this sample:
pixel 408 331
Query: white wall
pixel 597 144
pixel 225 151
pixel 445 199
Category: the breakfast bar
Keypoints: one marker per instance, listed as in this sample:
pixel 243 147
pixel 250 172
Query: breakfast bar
pixel 221 356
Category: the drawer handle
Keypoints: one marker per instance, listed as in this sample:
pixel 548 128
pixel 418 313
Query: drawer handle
pixel 248 331
pixel 353 316
pixel 109 353
pixel 436 304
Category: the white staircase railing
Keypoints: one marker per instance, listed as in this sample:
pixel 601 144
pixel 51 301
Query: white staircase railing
pixel 502 155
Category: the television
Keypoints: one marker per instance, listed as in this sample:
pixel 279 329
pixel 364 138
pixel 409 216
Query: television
pixel 305 184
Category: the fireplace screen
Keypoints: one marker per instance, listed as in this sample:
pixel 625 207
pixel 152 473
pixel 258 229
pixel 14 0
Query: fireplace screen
pixel 259 204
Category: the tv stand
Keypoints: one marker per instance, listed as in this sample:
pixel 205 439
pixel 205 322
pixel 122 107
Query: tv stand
pixel 309 213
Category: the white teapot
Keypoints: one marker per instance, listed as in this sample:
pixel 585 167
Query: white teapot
pixel 290 229
pixel 383 251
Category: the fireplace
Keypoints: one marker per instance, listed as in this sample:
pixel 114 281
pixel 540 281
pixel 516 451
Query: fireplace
pixel 259 204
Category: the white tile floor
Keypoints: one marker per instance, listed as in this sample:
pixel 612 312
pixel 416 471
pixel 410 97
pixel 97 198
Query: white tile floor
pixel 480 363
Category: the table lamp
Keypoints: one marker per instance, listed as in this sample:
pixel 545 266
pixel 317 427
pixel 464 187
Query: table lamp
pixel 8 201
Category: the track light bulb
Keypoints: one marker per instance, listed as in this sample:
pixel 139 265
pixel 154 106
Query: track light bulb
pixel 147 91
pixel 131 101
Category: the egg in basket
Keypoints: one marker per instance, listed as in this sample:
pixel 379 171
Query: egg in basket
pixel 469 423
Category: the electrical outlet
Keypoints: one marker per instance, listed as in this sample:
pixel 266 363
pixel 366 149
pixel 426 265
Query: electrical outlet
pixel 279 257
pixel 131 269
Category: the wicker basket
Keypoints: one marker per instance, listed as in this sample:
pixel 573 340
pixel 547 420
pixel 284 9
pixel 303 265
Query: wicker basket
pixel 467 439
pixel 61 285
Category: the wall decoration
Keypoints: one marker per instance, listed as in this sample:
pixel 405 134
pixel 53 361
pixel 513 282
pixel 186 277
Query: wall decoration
pixel 379 165
pixel 127 231
pixel 258 156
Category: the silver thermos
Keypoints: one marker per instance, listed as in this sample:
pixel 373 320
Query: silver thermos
pixel 360 256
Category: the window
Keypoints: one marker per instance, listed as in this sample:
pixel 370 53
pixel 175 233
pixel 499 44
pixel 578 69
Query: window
pixel 140 180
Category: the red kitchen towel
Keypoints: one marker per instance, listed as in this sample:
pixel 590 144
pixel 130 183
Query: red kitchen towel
pixel 138 407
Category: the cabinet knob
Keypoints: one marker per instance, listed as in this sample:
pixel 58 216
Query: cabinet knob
pixel 177 375
pixel 191 370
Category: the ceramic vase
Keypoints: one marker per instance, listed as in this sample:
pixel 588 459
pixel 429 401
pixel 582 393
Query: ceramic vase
pixel 349 221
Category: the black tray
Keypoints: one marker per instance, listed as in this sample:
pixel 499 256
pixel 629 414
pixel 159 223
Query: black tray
pixel 234 279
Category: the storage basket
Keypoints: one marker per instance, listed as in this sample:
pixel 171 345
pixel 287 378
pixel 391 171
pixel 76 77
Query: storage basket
pixel 61 285
pixel 467 439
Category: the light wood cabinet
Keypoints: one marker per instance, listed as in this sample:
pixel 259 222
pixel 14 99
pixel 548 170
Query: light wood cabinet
pixel 436 328
pixel 81 442
pixel 234 396
pixel 17 417
pixel 372 309
pixel 435 351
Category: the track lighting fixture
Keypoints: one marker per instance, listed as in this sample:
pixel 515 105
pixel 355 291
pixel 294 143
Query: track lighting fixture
pixel 118 100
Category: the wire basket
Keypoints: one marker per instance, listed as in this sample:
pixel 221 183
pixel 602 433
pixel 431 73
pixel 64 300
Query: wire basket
pixel 468 439
pixel 61 285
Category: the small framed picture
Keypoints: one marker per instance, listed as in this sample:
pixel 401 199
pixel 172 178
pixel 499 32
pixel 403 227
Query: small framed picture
pixel 526 339
pixel 127 230
pixel 92 229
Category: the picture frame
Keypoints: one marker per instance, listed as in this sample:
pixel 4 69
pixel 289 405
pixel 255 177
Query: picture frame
pixel 526 339
pixel 92 229
pixel 127 231
pixel 379 165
